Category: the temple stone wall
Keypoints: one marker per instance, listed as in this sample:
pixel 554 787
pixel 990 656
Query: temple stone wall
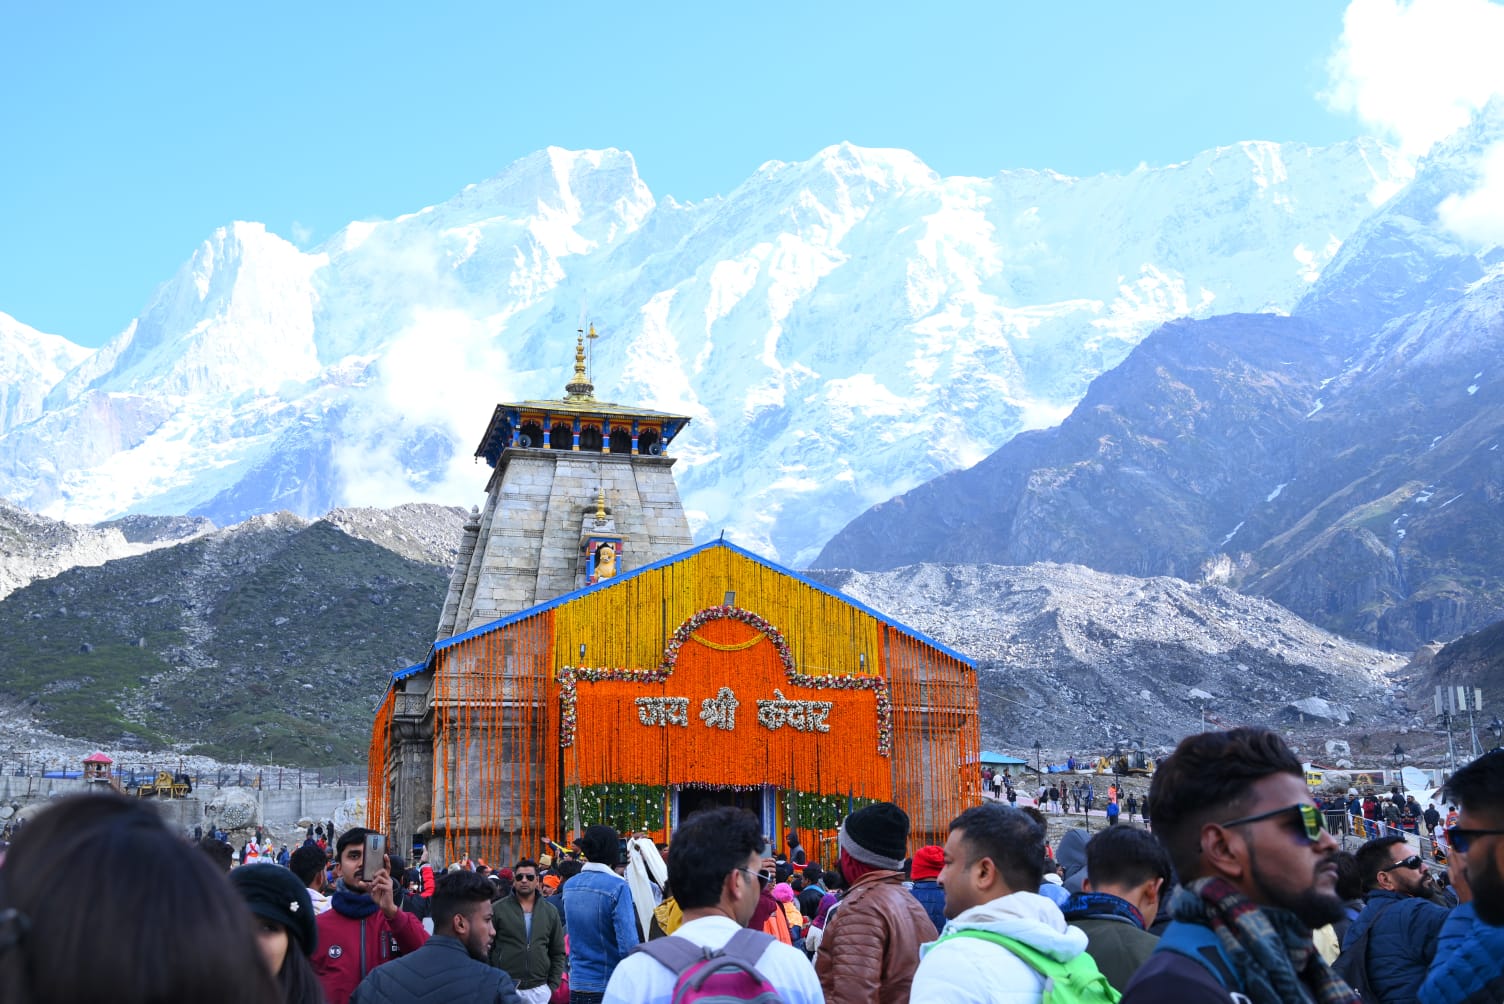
pixel 468 539
pixel 528 542
pixel 524 548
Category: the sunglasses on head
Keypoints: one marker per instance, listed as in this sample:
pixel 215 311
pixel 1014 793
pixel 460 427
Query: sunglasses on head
pixel 1311 819
pixel 1414 862
pixel 1460 838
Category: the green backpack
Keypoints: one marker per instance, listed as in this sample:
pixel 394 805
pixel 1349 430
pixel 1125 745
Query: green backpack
pixel 1078 981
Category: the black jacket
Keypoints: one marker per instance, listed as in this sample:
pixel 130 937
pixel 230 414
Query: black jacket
pixel 1172 978
pixel 440 972
pixel 809 900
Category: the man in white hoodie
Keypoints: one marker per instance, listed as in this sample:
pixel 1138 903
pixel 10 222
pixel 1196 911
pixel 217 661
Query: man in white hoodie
pixel 994 862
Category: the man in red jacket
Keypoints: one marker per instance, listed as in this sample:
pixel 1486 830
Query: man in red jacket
pixel 363 926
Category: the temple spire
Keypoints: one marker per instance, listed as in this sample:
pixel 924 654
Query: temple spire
pixel 580 388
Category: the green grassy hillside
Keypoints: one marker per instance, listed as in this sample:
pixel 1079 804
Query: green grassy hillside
pixel 269 642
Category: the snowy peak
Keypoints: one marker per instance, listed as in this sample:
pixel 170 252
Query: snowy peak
pixel 841 329
pixel 237 318
pixel 845 165
pixel 822 198
pixel 31 364
pixel 598 191
pixel 1422 247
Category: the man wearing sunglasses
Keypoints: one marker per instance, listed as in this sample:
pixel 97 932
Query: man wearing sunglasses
pixel 1469 963
pixel 529 936
pixel 1258 869
pixel 1397 930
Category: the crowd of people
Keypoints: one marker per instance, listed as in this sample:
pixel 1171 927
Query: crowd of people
pixel 1063 797
pixel 1240 893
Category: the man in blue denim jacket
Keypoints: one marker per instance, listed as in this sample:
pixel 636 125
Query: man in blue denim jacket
pixel 602 924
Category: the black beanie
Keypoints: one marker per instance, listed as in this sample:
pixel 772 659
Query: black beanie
pixel 877 835
pixel 274 893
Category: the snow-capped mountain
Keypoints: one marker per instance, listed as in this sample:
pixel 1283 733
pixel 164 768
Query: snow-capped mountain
pixel 840 329
pixel 1346 461
pixel 31 364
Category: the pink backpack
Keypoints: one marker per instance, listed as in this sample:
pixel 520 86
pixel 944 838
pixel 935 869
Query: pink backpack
pixel 716 976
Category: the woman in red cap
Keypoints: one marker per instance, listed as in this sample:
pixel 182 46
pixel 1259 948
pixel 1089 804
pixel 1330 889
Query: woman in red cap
pixel 925 871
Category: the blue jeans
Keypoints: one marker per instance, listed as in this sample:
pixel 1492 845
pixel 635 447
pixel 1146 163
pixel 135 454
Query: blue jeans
pixel 585 997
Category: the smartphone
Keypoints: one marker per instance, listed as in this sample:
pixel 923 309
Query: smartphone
pixel 374 857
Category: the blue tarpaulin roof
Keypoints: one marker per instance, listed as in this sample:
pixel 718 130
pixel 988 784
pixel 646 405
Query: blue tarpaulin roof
pixel 988 757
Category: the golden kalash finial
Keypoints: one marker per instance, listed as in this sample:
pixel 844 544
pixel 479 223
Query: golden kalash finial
pixel 580 388
pixel 600 506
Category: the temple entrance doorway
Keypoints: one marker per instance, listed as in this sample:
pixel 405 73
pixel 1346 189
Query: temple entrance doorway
pixel 692 798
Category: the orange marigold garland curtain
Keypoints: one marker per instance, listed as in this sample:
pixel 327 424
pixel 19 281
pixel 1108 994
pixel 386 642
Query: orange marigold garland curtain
pixel 377 809
pixel 496 754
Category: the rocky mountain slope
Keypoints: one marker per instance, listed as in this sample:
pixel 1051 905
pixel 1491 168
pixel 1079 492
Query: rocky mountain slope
pixel 1345 461
pixel 271 642
pixel 840 329
pixel 1474 660
pixel 427 534
pixel 34 547
pixel 1079 658
pixel 268 642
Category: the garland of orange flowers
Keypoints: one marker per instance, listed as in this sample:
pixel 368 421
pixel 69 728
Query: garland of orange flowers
pixel 569 676
pixel 490 686
pixel 376 760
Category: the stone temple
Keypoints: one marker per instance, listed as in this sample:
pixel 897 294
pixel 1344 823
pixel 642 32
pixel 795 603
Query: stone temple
pixel 569 478
pixel 592 665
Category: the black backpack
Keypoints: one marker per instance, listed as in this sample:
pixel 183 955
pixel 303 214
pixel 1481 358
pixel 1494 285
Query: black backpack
pixel 1352 964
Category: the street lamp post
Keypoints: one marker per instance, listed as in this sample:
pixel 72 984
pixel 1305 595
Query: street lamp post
pixel 1037 768
pixel 1398 756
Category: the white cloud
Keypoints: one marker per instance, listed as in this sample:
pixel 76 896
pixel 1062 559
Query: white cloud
pixel 1478 216
pixel 1417 71
pixel 439 378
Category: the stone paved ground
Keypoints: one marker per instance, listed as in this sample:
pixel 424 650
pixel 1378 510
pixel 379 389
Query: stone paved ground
pixel 1060 822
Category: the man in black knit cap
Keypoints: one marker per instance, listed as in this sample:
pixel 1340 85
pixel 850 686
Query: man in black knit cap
pixel 871 943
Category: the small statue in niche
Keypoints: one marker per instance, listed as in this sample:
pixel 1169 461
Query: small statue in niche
pixel 605 562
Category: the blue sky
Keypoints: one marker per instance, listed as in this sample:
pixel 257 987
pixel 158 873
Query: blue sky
pixel 128 132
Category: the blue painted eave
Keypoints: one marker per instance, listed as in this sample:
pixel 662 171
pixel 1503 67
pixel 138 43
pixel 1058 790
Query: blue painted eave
pixel 522 615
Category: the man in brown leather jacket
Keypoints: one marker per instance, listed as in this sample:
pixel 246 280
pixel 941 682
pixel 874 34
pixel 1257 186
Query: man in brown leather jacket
pixel 871 944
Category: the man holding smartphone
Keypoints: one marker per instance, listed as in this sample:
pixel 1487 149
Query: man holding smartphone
pixel 363 927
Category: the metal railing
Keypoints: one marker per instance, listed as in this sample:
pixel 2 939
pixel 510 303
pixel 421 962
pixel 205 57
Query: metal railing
pixel 131 778
pixel 1362 828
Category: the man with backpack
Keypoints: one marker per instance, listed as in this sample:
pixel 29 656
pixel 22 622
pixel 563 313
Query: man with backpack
pixel 1004 943
pixel 1259 872
pixel 1388 949
pixel 1433 821
pixel 713 860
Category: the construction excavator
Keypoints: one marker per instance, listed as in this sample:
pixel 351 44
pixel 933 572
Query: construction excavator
pixel 166 785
